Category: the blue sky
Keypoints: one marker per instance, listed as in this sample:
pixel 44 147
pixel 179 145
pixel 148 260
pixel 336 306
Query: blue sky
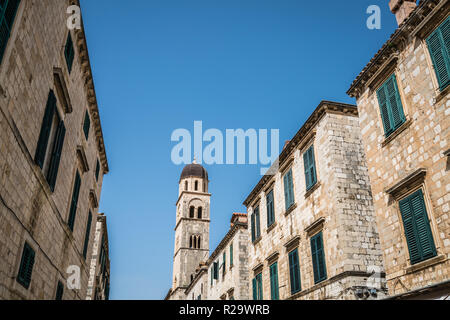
pixel 160 65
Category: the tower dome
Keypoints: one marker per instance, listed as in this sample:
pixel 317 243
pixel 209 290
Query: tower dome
pixel 194 170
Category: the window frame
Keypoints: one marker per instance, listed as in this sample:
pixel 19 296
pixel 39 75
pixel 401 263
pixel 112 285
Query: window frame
pixel 315 258
pixel 427 41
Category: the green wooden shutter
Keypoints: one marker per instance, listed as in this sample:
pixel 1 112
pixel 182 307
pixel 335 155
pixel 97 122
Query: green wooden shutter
pixel 8 10
pixel 253 227
pixel 224 262
pixel 87 235
pixel 255 296
pixel 259 286
pixel 270 209
pixel 291 188
pixel 86 125
pixel 274 290
pixel 310 168
pixel 212 275
pixel 44 135
pixel 74 201
pixel 26 266
pixel 294 271
pixel 439 47
pixel 257 223
pixel 288 189
pixel 216 270
pixel 69 52
pixel 56 155
pixel 417 228
pixel 59 291
pixel 231 255
pixel 391 107
pixel 318 258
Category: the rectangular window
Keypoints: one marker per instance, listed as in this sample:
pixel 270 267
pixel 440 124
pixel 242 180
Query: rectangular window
pixel 224 264
pixel 86 125
pixel 212 276
pixel 294 271
pixel 417 228
pixel 8 10
pixel 256 229
pixel 59 291
pixel 231 255
pixel 51 141
pixel 26 266
pixel 69 52
pixel 391 107
pixel 309 162
pixel 288 189
pixel 216 270
pixel 86 237
pixel 97 170
pixel 257 287
pixel 318 258
pixel 274 290
pixel 74 201
pixel 270 209
pixel 439 47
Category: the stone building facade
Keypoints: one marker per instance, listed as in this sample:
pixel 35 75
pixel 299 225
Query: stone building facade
pixel 99 269
pixel 312 223
pixel 52 154
pixel 404 106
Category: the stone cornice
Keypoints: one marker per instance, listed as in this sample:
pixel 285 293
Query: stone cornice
pixel 397 42
pixel 83 56
pixel 412 180
pixel 302 136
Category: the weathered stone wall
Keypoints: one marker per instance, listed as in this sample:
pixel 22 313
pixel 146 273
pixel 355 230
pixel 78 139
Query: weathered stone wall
pixel 29 211
pixel 340 205
pixel 421 144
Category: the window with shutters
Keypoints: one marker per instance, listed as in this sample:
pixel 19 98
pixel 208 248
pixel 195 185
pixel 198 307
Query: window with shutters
pixel 309 163
pixel 231 256
pixel 216 271
pixel 86 125
pixel 270 209
pixel 256 228
pixel 274 289
pixel 50 142
pixel 97 170
pixel 257 287
pixel 294 271
pixel 391 107
pixel 417 228
pixel 69 52
pixel 8 11
pixel 74 201
pixel 26 266
pixel 59 291
pixel 439 47
pixel 87 235
pixel 318 258
pixel 224 264
pixel 288 189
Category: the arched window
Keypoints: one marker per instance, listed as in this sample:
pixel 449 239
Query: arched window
pixel 191 212
pixel 191 242
pixel 196 185
pixel 199 212
pixel 185 185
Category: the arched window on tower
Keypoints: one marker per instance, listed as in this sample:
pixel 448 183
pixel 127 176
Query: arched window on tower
pixel 191 240
pixel 185 185
pixel 199 212
pixel 192 212
pixel 196 185
pixel 199 239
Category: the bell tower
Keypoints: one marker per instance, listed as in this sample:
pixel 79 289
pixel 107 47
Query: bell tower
pixel 191 228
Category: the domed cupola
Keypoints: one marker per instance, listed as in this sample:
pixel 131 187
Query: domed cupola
pixel 194 170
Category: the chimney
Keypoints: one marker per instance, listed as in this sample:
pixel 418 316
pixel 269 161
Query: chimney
pixel 402 9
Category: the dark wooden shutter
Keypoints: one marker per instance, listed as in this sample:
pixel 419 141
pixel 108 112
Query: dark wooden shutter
pixel 253 227
pixel 86 125
pixel 417 228
pixel 87 235
pixel 231 255
pixel 294 271
pixel 291 188
pixel 59 291
pixel 8 10
pixel 257 222
pixel 69 52
pixel 97 170
pixel 44 135
pixel 270 209
pixel 310 168
pixel 439 47
pixel 274 281
pixel 318 258
pixel 255 296
pixel 56 155
pixel 26 266
pixel 382 101
pixel 395 102
pixel 74 201
pixel 216 270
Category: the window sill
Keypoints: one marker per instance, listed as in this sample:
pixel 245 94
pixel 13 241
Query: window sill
pixel 257 240
pixel 396 133
pixel 291 208
pixel 442 93
pixel 427 263
pixel 312 189
pixel 271 227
